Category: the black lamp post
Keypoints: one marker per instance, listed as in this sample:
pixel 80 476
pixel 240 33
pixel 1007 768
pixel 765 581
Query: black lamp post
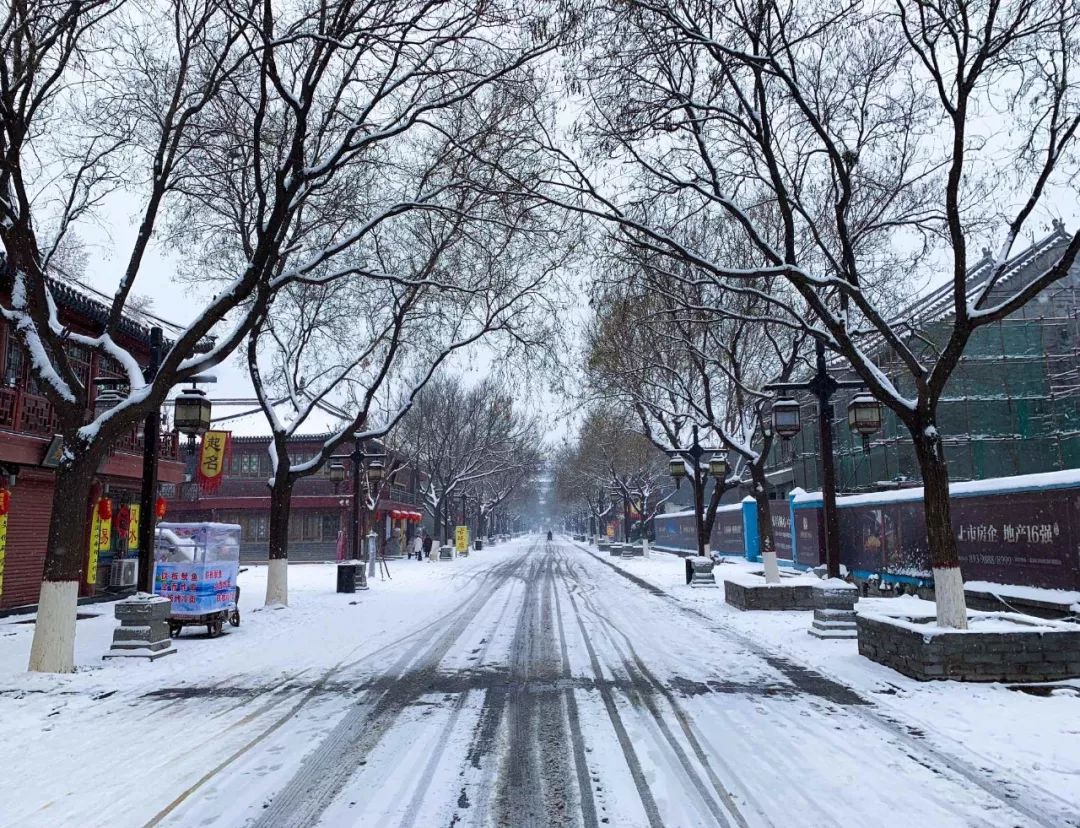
pixel 191 416
pixel 374 476
pixel 718 468
pixel 861 418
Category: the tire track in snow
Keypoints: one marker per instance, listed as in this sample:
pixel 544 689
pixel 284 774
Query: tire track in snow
pixel 304 695
pixel 532 782
pixel 652 813
pixel 644 688
pixel 585 791
pixel 428 771
pixel 1042 807
pixel 325 772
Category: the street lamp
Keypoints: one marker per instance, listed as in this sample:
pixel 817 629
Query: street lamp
pixel 823 386
pixel 718 468
pixel 191 412
pixel 786 418
pixel 108 395
pixel 337 472
pixel 864 417
pixel 374 469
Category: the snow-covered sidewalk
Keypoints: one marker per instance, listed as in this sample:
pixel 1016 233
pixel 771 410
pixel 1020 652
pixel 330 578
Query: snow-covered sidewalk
pixel 1037 735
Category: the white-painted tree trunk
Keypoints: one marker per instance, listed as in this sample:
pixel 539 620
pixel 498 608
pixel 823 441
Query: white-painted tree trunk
pixel 645 547
pixel 949 595
pixel 277 583
pixel 53 648
pixel 772 570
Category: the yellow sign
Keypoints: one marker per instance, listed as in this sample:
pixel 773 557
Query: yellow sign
pixel 133 530
pixel 611 531
pixel 212 457
pixel 5 504
pixel 461 538
pixel 100 536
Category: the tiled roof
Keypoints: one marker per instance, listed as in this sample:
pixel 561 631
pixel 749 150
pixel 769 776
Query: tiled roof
pixel 76 301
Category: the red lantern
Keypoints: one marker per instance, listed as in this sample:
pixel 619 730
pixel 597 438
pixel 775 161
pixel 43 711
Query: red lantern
pixel 104 509
pixel 160 508
pixel 123 522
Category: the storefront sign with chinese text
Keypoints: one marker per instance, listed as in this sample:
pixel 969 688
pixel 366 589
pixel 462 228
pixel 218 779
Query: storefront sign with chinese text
pixel 100 536
pixel 197 588
pixel 213 455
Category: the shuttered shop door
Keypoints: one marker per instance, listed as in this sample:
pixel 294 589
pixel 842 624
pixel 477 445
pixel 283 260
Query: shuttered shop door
pixel 28 526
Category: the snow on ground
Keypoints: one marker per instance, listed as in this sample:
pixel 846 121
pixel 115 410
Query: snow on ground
pixel 1037 736
pixel 530 684
pixel 252 676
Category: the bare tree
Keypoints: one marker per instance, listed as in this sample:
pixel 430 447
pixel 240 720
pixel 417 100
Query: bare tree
pixel 877 137
pixel 581 483
pixel 463 438
pixel 371 345
pixel 236 128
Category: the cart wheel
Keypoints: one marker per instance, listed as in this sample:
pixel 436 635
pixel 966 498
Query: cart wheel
pixel 214 628
pixel 234 618
pixel 175 629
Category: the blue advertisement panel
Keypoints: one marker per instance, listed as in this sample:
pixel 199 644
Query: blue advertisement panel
pixel 197 588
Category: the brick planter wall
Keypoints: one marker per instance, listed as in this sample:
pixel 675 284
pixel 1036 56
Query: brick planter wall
pixel 1039 655
pixel 787 597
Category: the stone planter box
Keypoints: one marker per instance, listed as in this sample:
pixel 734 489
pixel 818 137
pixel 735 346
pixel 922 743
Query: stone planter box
pixel 1008 647
pixel 800 592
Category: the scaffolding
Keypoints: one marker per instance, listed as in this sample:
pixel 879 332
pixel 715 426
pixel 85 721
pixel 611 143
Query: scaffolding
pixel 1012 406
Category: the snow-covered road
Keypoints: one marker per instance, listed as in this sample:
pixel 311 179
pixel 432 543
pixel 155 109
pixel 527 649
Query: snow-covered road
pixel 542 688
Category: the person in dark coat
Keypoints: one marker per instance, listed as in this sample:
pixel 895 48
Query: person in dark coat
pixel 427 547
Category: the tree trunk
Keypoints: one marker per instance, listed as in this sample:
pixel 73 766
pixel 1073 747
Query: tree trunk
pixel 53 647
pixel 766 541
pixel 944 557
pixel 277 576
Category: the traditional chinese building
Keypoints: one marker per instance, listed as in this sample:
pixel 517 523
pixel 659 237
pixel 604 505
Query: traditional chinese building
pixel 1012 406
pixel 27 431
pixel 320 508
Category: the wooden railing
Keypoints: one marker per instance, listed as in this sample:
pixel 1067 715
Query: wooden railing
pixel 27 413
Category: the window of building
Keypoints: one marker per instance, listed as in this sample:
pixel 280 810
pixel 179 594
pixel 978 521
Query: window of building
pixel 14 362
pixel 330 525
pixel 249 465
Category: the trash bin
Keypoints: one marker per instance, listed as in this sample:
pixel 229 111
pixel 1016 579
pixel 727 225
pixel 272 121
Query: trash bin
pixel 479 544
pixel 346 577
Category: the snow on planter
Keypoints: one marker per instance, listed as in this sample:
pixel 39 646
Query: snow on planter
pixel 749 591
pixel 997 646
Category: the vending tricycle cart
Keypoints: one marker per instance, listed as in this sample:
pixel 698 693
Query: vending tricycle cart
pixel 195 567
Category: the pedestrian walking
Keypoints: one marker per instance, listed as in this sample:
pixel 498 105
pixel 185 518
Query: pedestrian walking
pixel 417 546
pixel 427 545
